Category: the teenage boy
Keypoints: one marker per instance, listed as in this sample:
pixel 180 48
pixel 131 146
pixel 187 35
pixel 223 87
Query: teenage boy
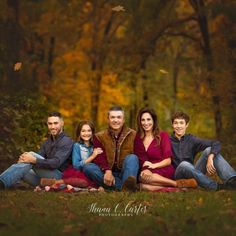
pixel 186 146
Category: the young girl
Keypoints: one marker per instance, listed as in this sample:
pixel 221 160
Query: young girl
pixel 83 152
pixel 153 148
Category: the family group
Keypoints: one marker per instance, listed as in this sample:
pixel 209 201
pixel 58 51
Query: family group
pixel 122 159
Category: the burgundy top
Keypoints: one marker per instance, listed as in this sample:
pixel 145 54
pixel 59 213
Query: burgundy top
pixel 155 153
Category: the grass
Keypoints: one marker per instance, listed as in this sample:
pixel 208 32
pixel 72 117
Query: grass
pixel 121 213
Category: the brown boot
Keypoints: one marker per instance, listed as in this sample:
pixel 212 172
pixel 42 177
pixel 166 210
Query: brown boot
pixel 47 182
pixel 130 184
pixel 186 183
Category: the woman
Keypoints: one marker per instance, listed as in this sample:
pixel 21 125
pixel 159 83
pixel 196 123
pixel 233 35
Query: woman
pixel 153 148
pixel 83 152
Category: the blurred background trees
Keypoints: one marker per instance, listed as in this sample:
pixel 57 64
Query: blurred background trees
pixel 80 57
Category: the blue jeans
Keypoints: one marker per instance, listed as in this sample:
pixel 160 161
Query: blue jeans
pixel 28 173
pixel 223 169
pixel 130 168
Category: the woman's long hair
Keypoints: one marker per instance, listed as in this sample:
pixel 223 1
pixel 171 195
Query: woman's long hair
pixel 79 128
pixel 155 130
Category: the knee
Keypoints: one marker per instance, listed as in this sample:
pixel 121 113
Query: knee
pixel 207 151
pixel 20 165
pixel 131 160
pixel 142 178
pixel 88 168
pixel 184 165
pixel 183 170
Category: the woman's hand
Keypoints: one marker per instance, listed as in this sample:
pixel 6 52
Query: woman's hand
pixel 149 164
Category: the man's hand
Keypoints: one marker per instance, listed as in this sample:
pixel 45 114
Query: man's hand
pixel 210 165
pixel 26 157
pixel 109 179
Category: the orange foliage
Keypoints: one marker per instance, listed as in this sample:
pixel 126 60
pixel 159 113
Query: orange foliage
pixel 113 92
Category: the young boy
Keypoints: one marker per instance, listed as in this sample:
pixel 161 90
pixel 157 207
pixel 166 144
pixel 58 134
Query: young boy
pixel 186 146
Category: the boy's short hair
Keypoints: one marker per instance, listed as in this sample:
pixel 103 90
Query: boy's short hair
pixel 180 115
pixel 115 108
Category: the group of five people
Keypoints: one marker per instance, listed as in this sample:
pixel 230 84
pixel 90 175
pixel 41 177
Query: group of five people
pixel 118 157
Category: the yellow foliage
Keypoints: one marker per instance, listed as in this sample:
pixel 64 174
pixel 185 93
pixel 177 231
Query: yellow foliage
pixel 184 8
pixel 120 33
pixel 203 90
pixel 218 23
pixel 112 92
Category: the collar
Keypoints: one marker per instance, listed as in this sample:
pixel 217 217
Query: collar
pixel 112 133
pixel 54 138
pixel 84 145
pixel 175 138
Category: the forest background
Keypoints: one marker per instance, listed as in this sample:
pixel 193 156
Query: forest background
pixel 80 57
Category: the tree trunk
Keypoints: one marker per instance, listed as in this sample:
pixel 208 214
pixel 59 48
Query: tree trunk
pixel 12 41
pixel 175 83
pixel 134 106
pixel 96 88
pixel 96 68
pixel 145 82
pixel 199 7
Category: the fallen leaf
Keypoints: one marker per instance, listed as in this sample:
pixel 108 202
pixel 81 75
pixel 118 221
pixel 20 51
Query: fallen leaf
pixel 200 201
pixel 118 8
pixel 163 71
pixel 17 66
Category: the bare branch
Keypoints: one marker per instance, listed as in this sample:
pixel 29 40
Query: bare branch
pixel 182 34
pixel 185 35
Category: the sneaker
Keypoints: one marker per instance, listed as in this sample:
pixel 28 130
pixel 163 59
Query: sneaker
pixel 47 182
pixel 186 183
pixel 231 183
pixel 130 184
pixel 221 187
